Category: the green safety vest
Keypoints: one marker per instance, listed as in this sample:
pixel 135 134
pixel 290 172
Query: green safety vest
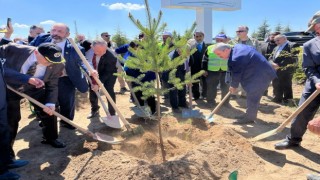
pixel 215 63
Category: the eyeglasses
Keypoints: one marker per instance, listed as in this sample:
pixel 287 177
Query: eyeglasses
pixel 240 31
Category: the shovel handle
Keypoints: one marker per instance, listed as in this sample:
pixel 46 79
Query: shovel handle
pixel 297 111
pixel 219 105
pixel 105 92
pixel 84 131
pixel 99 97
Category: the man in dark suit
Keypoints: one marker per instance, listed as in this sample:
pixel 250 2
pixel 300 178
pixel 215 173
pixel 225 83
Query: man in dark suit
pixel 104 61
pixel 72 76
pixel 310 64
pixel 195 65
pixel 45 63
pixel 250 69
pixel 284 59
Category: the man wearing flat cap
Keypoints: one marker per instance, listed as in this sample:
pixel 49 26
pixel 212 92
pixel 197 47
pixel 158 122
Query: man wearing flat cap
pixel 311 66
pixel 43 63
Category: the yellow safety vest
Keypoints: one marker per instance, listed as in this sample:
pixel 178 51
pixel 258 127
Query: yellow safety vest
pixel 215 63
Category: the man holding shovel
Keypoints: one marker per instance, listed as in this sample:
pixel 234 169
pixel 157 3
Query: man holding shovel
pixel 311 66
pixel 250 69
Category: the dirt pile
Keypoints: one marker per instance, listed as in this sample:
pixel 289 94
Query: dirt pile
pixel 221 153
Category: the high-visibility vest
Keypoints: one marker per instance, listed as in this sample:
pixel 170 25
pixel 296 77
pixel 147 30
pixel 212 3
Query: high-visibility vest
pixel 215 63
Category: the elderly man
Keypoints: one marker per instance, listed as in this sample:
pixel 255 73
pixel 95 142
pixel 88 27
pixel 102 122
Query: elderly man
pixel 72 76
pixel 215 72
pixel 250 69
pixel 195 66
pixel 104 61
pixel 284 59
pixel 310 64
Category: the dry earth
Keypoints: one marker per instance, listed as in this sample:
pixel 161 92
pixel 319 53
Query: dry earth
pixel 194 149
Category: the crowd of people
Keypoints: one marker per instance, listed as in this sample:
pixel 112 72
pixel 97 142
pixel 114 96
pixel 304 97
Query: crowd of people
pixel 46 67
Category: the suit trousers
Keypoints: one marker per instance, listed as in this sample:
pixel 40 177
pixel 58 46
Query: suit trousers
pixel 282 86
pixel 150 100
pixel 299 124
pixel 178 97
pixel 109 85
pixel 213 79
pixel 49 129
pixel 66 97
pixel 196 88
pixel 253 99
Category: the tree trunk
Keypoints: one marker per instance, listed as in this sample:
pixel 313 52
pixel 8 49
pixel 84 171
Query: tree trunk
pixel 163 153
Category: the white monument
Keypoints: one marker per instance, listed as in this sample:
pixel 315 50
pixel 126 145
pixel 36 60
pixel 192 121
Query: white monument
pixel 203 11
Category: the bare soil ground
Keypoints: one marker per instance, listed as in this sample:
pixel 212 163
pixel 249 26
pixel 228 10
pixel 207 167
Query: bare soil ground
pixel 194 148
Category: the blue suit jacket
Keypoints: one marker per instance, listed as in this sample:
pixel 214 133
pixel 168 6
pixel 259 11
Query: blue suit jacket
pixel 250 68
pixel 73 62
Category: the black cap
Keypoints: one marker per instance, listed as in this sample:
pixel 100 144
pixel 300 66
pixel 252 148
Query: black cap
pixel 51 52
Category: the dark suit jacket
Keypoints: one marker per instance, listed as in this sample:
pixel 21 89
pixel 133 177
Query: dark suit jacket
pixel 311 61
pixel 249 68
pixel 287 56
pixel 15 55
pixel 73 62
pixel 267 49
pixel 107 67
pixel 195 61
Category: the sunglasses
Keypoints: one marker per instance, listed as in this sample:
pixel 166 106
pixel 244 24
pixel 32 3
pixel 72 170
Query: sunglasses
pixel 240 31
pixel 106 35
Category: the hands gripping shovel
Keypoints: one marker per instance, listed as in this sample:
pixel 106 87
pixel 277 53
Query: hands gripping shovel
pixel 96 136
pixel 111 121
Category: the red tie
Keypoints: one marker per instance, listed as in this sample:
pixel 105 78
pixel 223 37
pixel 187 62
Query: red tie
pixel 94 62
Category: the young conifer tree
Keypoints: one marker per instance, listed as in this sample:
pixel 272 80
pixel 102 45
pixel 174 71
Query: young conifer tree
pixel 149 56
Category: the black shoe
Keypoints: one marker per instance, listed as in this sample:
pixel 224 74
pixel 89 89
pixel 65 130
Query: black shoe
pixel 243 121
pixel 286 144
pixel 313 177
pixel 16 164
pixel 176 110
pixel 54 143
pixel 66 125
pixel 93 114
pixel 9 176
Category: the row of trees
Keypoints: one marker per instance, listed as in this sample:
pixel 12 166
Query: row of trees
pixel 264 29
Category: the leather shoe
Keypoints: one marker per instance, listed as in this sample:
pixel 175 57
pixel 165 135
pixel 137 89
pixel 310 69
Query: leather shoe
pixel 16 164
pixel 54 143
pixel 243 121
pixel 313 177
pixel 7 175
pixel 286 144
pixel 66 125
pixel 93 114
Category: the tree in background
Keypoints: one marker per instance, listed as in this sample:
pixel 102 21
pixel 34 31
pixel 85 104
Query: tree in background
pixel 150 57
pixel 254 34
pixel 263 29
pixel 287 29
pixel 278 28
pixel 119 38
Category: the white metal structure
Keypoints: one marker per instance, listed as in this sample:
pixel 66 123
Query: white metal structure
pixel 204 10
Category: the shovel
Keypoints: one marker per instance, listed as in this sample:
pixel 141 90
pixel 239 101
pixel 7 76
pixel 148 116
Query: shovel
pixel 111 121
pixel 105 92
pixel 96 136
pixel 288 120
pixel 141 111
pixel 210 116
pixel 190 113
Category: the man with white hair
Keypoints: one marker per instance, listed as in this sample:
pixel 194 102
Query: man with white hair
pixel 250 69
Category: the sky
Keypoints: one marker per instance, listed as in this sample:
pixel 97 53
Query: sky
pixel 95 16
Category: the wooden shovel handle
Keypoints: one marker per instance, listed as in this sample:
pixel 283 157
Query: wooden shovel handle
pixel 297 111
pixel 220 104
pixel 84 131
pixel 105 92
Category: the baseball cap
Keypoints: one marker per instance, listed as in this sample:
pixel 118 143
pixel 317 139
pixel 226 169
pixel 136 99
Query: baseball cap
pixel 221 36
pixel 51 52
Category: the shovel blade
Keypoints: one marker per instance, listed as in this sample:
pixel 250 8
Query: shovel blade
pixel 189 113
pixel 142 111
pixel 113 122
pixel 106 138
pixel 210 118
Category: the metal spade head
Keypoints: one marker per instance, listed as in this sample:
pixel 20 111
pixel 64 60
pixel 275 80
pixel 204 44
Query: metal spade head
pixel 105 138
pixel 210 118
pixel 112 121
pixel 142 111
pixel 190 113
